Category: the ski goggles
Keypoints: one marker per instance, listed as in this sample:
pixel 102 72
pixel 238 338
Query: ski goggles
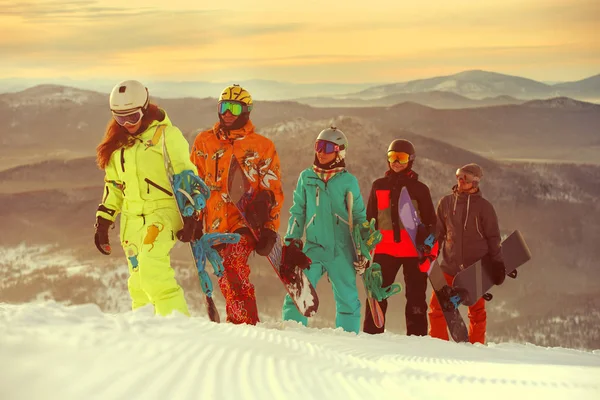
pixel 234 107
pixel 466 176
pixel 128 119
pixel 324 146
pixel 400 156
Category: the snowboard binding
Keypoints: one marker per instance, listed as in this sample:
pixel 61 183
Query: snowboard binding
pixel 449 298
pixel 292 258
pixel 374 283
pixel 191 192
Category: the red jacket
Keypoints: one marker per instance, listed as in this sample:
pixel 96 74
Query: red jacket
pixel 383 206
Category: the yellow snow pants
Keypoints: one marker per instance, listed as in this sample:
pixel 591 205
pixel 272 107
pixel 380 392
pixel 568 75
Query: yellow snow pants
pixel 147 241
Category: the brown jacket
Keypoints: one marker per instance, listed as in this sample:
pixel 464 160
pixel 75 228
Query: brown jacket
pixel 467 230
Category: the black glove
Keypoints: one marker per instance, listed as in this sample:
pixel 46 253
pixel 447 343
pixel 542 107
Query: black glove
pixel 497 272
pixel 294 256
pixel 266 241
pixel 422 233
pixel 101 235
pixel 258 211
pixel 192 229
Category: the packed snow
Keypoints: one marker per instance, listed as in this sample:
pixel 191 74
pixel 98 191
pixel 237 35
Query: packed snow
pixel 52 351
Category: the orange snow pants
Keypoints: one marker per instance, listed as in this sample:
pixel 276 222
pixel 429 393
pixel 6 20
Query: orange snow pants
pixel 477 319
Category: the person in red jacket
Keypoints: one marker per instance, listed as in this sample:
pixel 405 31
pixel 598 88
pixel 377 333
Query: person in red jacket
pixel 396 248
pixel 467 231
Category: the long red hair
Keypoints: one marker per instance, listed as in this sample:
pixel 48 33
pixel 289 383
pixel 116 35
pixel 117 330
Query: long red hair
pixel 116 136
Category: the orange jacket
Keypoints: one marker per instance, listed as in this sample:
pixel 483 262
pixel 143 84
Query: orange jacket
pixel 212 154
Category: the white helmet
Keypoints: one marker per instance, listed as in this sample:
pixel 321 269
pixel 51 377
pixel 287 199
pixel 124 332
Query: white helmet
pixel 128 96
pixel 336 136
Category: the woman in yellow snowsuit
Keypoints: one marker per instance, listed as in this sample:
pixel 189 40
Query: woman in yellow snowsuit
pixel 137 186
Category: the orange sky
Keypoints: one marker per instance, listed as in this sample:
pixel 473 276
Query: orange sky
pixel 298 41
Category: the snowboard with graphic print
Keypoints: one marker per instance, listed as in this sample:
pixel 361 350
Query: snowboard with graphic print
pixel 448 298
pixel 296 283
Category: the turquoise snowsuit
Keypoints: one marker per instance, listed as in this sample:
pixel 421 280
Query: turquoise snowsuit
pixel 320 209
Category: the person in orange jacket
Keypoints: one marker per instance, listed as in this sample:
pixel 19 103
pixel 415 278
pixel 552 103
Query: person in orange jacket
pixel 232 144
pixel 467 231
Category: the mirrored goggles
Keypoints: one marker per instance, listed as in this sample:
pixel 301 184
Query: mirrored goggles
pixel 466 176
pixel 234 107
pixel 128 119
pixel 323 146
pixel 401 157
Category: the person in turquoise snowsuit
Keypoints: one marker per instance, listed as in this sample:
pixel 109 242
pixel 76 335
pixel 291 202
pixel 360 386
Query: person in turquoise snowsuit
pixel 320 210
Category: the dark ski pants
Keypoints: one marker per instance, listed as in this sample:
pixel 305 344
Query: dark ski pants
pixel 415 287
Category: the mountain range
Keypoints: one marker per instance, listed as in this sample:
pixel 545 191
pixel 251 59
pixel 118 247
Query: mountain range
pixel 489 88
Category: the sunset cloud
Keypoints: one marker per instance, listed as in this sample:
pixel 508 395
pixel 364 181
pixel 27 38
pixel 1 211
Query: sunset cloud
pixel 299 41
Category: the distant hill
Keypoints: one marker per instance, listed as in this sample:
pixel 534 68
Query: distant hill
pixel 435 99
pixel 58 122
pixel 478 84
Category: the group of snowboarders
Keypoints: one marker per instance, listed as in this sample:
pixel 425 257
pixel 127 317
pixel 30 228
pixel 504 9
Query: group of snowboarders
pixel 319 238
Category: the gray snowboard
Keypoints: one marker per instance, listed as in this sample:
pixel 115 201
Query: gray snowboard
pixel 475 281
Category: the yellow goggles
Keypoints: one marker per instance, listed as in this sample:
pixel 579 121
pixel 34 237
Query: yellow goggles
pixel 401 157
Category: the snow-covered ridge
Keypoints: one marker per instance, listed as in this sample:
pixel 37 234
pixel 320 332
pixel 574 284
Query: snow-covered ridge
pixel 44 95
pixel 53 351
pixel 562 102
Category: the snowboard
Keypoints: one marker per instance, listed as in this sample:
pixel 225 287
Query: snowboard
pixel 296 283
pixel 190 194
pixel 447 297
pixel 474 281
pixel 376 311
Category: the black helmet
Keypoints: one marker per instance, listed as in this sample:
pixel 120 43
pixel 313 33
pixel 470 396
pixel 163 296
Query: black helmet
pixel 402 145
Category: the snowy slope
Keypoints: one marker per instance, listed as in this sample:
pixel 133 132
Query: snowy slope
pixel 50 351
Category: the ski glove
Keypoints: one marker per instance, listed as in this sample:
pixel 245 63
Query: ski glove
pixel 361 264
pixel 498 272
pixel 191 231
pixel 292 255
pixel 266 242
pixel 101 235
pixel 422 238
pixel 258 211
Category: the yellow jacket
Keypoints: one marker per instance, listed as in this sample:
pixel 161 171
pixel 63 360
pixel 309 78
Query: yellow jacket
pixel 136 181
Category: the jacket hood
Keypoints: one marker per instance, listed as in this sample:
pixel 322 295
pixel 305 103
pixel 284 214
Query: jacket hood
pixel 234 134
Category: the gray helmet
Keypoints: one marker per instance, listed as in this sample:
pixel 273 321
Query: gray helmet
pixel 473 170
pixel 334 135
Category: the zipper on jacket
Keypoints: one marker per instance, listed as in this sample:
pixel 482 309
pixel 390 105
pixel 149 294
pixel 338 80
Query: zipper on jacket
pixel 311 220
pixel 342 219
pixel 477 226
pixel 317 196
pixel 294 225
pixel 162 189
pixel 123 159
